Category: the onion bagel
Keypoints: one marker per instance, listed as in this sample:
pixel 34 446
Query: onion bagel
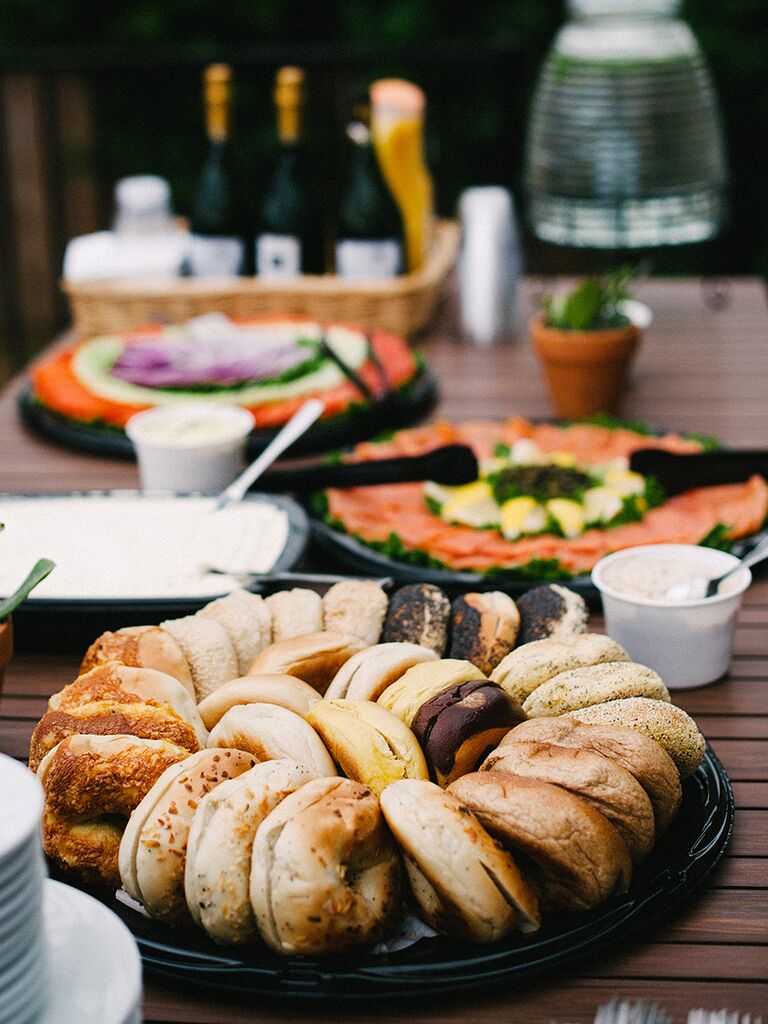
pixel 369 743
pixel 642 756
pixel 464 883
pixel 287 691
pixel 405 696
pixel 92 784
pixel 208 650
pixel 578 856
pixel 315 658
pixel 605 785
pixel 483 628
pixel 532 664
pixel 125 685
pixel 269 732
pixel 218 865
pixel 369 672
pixel 325 874
pixel 153 849
pixel 666 723
pixel 110 718
pixel 141 647
pixel 357 607
pixel 247 622
pixel 594 684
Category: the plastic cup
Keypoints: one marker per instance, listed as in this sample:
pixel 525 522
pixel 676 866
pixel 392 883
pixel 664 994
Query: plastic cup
pixel 193 448
pixel 689 643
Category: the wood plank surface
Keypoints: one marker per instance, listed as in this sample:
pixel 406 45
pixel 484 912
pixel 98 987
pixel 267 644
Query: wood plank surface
pixel 700 370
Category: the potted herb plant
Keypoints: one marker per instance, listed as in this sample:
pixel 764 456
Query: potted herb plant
pixel 8 605
pixel 585 341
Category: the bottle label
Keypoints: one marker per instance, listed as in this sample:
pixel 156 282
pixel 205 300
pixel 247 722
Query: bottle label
pixel 216 256
pixel 368 261
pixel 278 256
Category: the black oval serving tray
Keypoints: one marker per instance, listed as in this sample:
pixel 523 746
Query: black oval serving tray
pixel 680 862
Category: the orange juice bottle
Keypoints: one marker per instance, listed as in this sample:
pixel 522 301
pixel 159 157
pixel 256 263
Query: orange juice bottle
pixel 397 127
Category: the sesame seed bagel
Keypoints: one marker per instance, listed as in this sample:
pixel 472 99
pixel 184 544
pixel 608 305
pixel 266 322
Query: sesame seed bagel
pixel 246 620
pixel 296 612
pixel 594 684
pixel 208 650
pixel 357 607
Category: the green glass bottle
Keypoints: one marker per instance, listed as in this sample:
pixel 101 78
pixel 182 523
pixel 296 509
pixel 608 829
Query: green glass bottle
pixel 369 227
pixel 217 247
pixel 290 239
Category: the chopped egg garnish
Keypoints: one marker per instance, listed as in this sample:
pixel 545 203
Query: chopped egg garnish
pixel 522 515
pixel 568 515
pixel 601 504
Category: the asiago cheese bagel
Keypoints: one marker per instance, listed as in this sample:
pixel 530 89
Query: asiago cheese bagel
pixel 286 691
pixel 532 664
pixel 218 865
pixel 247 622
pixel 369 672
pixel 609 788
pixel 125 685
pixel 315 658
pixel 208 650
pixel 416 686
pixel 464 883
pixel 594 684
pixel 325 873
pixel 369 743
pixel 91 785
pixel 141 647
pixel 153 849
pixel 269 732
pixel 578 856
pixel 644 758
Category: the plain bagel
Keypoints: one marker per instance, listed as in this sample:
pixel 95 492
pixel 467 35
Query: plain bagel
pixel 315 658
pixel 369 672
pixel 287 691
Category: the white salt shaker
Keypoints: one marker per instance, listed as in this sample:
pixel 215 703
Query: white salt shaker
pixel 490 263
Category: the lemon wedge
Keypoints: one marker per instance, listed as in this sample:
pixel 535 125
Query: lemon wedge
pixel 624 482
pixel 601 504
pixel 472 505
pixel 522 515
pixel 568 514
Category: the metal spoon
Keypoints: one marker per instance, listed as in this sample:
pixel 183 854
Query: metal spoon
pixel 696 587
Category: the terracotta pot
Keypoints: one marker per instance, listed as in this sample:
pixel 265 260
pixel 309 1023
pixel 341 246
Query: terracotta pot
pixel 585 371
pixel 6 648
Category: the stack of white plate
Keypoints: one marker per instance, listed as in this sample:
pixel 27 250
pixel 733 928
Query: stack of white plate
pixel 64 957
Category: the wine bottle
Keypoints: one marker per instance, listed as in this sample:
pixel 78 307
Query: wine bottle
pixel 216 249
pixel 290 239
pixel 369 227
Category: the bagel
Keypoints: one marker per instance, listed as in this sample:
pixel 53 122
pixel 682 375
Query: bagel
pixel 369 672
pixel 141 647
pixel 666 723
pixel 594 684
pixel 325 874
pixel 269 732
pixel 405 696
pixel 577 857
pixel 208 650
pixel 294 613
pixel 532 664
pixel 246 620
pixel 551 611
pixel 153 849
pixel 418 614
pixel 461 724
pixel 110 718
pixel 369 743
pixel 642 756
pixel 464 883
pixel 604 785
pixel 315 658
pixel 218 864
pixel 287 691
pixel 125 685
pixel 92 784
pixel 357 607
pixel 483 628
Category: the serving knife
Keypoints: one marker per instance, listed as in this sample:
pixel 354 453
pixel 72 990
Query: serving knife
pixel 678 473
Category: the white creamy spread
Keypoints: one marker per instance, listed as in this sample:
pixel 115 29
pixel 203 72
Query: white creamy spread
pixel 648 577
pixel 130 546
pixel 191 428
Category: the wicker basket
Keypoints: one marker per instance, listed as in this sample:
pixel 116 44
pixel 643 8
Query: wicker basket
pixel 402 305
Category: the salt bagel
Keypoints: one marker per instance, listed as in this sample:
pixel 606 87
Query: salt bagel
pixel 594 684
pixel 325 874
pixel 579 857
pixel 141 647
pixel 464 883
pixel 269 732
pixel 153 848
pixel 125 685
pixel 315 658
pixel 286 691
pixel 90 784
pixel 643 757
pixel 604 785
pixel 218 865
pixel 369 672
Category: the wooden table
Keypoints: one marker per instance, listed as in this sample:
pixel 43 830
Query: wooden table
pixel 700 369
